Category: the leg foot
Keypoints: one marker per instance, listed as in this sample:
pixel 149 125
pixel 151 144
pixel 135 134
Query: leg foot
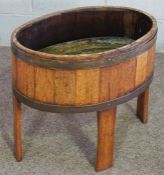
pixel 17 129
pixel 142 106
pixel 106 126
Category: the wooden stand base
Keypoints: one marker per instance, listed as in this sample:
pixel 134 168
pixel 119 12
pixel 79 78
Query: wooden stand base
pixel 106 127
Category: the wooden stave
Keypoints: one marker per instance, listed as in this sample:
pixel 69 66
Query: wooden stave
pixel 82 87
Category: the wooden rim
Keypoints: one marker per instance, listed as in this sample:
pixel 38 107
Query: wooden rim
pixel 83 108
pixel 82 64
pixel 22 51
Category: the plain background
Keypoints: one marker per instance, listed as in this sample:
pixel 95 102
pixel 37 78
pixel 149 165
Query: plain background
pixel 16 12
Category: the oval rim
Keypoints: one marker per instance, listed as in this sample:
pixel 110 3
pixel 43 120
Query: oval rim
pixel 115 52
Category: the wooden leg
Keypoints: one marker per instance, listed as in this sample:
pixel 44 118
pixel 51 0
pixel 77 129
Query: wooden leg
pixel 106 126
pixel 142 106
pixel 17 129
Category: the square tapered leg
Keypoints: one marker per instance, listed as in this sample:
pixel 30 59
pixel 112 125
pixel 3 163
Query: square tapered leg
pixel 106 126
pixel 142 106
pixel 17 129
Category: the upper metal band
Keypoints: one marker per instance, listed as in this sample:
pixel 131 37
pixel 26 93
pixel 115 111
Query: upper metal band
pixel 85 108
pixel 82 64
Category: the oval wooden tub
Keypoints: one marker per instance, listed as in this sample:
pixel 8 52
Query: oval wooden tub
pixel 87 82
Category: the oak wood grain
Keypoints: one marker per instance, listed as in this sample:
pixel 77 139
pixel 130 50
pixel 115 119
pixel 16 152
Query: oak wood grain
pixel 65 87
pixel 87 86
pixel 150 60
pixel 141 70
pixel 44 85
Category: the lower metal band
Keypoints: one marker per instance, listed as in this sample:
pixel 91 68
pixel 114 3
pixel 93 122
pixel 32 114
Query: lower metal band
pixel 83 108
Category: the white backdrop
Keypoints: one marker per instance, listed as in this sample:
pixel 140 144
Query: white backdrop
pixel 16 12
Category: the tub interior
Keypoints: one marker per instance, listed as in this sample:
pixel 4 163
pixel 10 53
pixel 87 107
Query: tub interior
pixel 79 24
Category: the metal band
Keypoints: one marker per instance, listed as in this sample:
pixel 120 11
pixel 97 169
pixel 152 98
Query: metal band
pixel 80 109
pixel 82 64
